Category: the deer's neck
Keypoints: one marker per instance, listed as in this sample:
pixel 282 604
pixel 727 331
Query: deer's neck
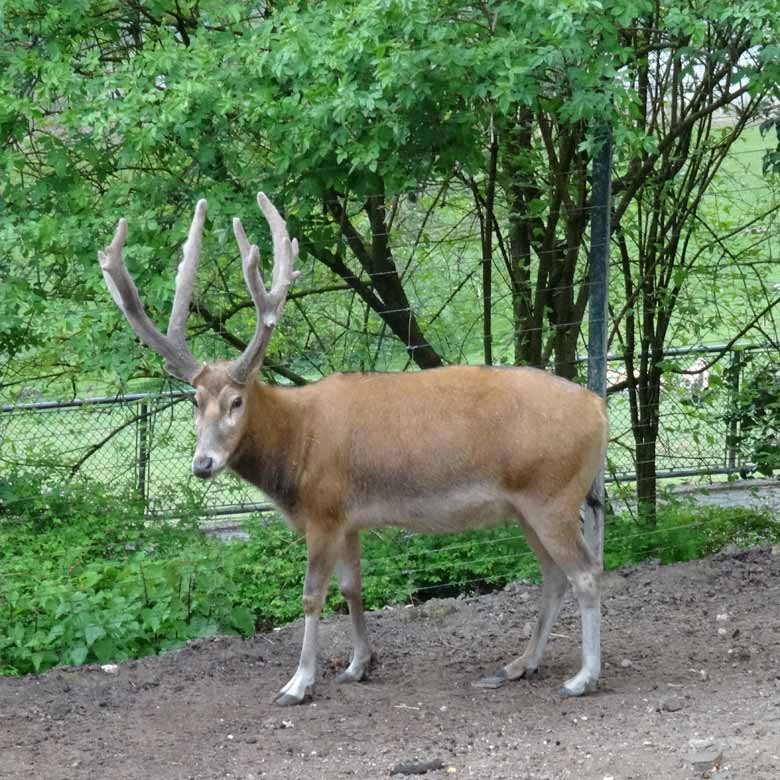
pixel 270 452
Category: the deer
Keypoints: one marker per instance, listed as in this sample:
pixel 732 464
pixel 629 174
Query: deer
pixel 441 450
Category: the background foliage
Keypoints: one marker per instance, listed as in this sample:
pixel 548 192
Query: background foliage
pixel 388 131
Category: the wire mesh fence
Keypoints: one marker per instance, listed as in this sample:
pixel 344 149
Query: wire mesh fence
pixel 144 442
pixel 141 442
pixel 355 319
pixel 709 407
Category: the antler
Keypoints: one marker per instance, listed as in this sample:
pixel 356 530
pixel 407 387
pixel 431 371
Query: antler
pixel 179 361
pixel 268 303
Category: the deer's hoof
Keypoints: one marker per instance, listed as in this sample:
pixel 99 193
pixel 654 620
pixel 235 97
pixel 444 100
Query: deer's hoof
pixel 283 699
pixel 570 691
pixel 497 680
pixel 352 676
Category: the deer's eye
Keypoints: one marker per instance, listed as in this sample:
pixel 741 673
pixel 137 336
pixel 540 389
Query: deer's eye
pixel 236 402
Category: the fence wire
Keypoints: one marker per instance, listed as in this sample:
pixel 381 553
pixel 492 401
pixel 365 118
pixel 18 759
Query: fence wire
pixel 144 442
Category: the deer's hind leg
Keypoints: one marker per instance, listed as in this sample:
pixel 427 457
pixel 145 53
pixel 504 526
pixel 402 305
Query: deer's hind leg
pixel 554 585
pixel 553 530
pixel 556 523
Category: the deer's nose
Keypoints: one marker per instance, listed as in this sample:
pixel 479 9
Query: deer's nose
pixel 203 466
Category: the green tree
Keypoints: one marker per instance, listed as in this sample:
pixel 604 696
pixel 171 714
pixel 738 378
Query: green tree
pixel 693 70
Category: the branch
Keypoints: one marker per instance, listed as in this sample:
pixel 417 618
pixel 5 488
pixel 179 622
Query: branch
pixel 334 263
pixel 100 444
pixel 641 174
pixel 729 344
pixel 218 326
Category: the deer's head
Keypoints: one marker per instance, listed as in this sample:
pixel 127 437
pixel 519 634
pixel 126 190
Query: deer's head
pixel 222 389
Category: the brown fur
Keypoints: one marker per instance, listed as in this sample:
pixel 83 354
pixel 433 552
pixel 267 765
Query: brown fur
pixel 320 450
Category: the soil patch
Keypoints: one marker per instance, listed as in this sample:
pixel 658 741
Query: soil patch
pixel 691 669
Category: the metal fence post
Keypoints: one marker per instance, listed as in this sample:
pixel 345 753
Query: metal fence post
pixel 600 219
pixel 732 437
pixel 143 450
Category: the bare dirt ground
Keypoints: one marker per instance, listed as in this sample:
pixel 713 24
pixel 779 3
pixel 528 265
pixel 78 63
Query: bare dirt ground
pixel 675 670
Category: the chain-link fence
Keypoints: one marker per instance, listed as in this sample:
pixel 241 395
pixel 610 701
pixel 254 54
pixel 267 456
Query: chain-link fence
pixel 713 420
pixel 141 442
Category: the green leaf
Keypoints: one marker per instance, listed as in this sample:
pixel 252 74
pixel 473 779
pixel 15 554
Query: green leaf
pixel 242 619
pixel 105 649
pixel 92 633
pixel 78 654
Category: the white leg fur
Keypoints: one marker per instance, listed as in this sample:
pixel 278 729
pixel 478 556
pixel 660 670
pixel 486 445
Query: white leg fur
pixel 586 680
pixel 301 684
pixel 321 557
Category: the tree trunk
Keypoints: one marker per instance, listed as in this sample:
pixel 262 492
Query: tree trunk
pixel 487 251
pixel 646 438
pixel 646 480
pixel 384 293
pixel 520 190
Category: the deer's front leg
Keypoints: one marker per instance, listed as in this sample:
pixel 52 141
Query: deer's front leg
pixel 322 551
pixel 350 584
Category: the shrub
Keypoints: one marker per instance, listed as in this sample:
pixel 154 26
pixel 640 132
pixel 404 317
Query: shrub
pixel 85 577
pixel 685 532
